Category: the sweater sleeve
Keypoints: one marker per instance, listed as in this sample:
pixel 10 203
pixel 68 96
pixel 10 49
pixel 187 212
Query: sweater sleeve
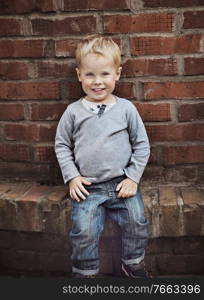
pixel 140 145
pixel 64 147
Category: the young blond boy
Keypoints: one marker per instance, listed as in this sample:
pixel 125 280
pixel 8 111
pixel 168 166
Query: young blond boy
pixel 102 149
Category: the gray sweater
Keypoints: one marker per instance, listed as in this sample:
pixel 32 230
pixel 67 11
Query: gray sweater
pixel 101 148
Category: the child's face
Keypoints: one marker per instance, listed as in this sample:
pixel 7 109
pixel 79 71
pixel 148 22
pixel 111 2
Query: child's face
pixel 98 76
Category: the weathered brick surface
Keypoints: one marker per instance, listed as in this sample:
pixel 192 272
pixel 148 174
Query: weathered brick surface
pixel 12 112
pixel 20 168
pixel 158 45
pixel 28 133
pixel 47 112
pixel 10 27
pixel 41 220
pixel 148 67
pixel 191 112
pixel 187 132
pixel 139 23
pixel 172 3
pixel 14 70
pixel 20 7
pixel 44 153
pixel 193 210
pixel 154 112
pixel 29 90
pixel 37 207
pixel 126 89
pixel 87 5
pixel 70 25
pixel 193 66
pixel 183 155
pixel 193 19
pixel 173 90
pixel 14 152
pixel 22 48
pixel 66 47
pixel 55 70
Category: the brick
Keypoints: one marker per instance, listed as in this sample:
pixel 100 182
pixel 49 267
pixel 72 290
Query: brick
pixel 45 5
pixel 154 112
pixel 58 193
pixel 193 199
pixel 74 90
pixel 171 3
pixel 193 19
pixel 125 89
pixel 13 70
pixel 157 45
pixel 193 66
pixel 30 132
pixel 56 69
pixel 178 174
pixel 47 112
pixel 191 112
pixel 26 171
pixel 29 90
pixel 9 6
pixel 44 153
pixel 167 196
pixel 65 48
pixel 153 155
pixel 14 152
pixel 36 193
pixel 172 174
pixel 187 132
pixel 68 25
pixel 173 90
pixel 88 5
pixel 11 112
pixel 10 27
pixel 141 67
pixel 151 196
pixel 7 215
pixel 22 48
pixel 139 23
pixel 192 196
pixel 16 191
pixel 29 216
pixel 170 224
pixel 183 155
pixel 4 187
pixel 21 6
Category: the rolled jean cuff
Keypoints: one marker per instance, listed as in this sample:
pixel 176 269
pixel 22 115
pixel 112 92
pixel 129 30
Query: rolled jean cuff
pixel 133 260
pixel 85 272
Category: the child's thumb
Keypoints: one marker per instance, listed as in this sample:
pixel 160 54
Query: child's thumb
pixel 118 187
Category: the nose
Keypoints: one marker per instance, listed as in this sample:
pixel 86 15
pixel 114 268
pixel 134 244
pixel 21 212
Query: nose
pixel 97 80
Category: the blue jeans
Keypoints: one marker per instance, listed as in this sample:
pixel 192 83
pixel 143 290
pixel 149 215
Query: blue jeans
pixel 88 218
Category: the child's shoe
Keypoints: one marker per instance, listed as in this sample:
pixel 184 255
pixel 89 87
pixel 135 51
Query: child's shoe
pixel 135 270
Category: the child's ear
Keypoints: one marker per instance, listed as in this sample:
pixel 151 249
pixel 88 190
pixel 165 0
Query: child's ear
pixel 118 73
pixel 78 74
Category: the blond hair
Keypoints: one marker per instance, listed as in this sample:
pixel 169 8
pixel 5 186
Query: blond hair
pixel 99 45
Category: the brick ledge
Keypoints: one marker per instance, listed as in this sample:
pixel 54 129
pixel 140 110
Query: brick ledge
pixel 172 210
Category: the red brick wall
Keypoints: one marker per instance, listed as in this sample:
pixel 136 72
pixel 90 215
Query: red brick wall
pixel 163 66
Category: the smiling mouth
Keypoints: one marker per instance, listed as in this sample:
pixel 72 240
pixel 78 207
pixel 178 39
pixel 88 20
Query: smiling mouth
pixel 98 90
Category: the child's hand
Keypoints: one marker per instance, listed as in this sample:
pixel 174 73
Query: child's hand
pixel 127 188
pixel 77 189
